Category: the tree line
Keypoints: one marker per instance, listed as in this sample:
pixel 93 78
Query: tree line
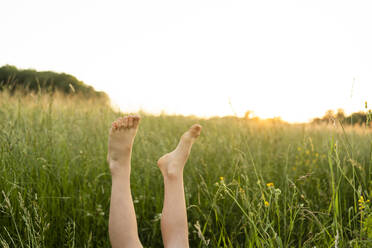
pixel 357 118
pixel 330 117
pixel 29 80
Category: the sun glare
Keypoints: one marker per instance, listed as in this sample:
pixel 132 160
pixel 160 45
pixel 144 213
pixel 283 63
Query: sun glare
pixel 288 60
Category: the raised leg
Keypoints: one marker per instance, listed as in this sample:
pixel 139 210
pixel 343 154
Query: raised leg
pixel 122 221
pixel 174 217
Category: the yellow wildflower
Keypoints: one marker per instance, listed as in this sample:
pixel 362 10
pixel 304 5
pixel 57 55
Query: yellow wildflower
pixel 221 178
pixel 267 203
pixel 270 184
pixel 362 203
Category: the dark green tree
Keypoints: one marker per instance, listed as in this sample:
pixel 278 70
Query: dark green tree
pixel 31 80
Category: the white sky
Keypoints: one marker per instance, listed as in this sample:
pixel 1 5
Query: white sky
pixel 293 59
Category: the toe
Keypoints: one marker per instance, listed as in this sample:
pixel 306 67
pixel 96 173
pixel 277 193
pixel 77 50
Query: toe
pixel 130 121
pixel 195 130
pixel 136 120
pixel 114 126
pixel 125 122
pixel 119 123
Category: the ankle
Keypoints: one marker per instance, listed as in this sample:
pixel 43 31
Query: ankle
pixel 119 168
pixel 172 173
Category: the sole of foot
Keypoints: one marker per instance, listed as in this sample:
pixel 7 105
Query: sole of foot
pixel 121 137
pixel 172 164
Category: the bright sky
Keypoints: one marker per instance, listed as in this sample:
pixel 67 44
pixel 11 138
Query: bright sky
pixel 293 59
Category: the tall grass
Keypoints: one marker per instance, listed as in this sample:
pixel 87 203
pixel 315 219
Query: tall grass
pixel 247 184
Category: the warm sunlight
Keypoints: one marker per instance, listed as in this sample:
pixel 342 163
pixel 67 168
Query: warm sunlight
pixel 276 58
pixel 241 124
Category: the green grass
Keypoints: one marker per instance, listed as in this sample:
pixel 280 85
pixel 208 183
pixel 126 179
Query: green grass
pixel 55 182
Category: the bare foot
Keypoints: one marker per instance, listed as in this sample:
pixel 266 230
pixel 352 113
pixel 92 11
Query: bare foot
pixel 120 143
pixel 171 164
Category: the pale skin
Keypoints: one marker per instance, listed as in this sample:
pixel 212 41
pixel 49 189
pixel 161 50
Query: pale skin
pixel 122 221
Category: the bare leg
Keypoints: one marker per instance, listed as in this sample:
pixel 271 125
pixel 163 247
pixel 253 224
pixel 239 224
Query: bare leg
pixel 122 222
pixel 174 217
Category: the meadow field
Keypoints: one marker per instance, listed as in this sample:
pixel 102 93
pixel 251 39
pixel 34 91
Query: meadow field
pixel 247 183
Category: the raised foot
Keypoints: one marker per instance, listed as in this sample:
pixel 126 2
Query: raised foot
pixel 172 164
pixel 120 143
